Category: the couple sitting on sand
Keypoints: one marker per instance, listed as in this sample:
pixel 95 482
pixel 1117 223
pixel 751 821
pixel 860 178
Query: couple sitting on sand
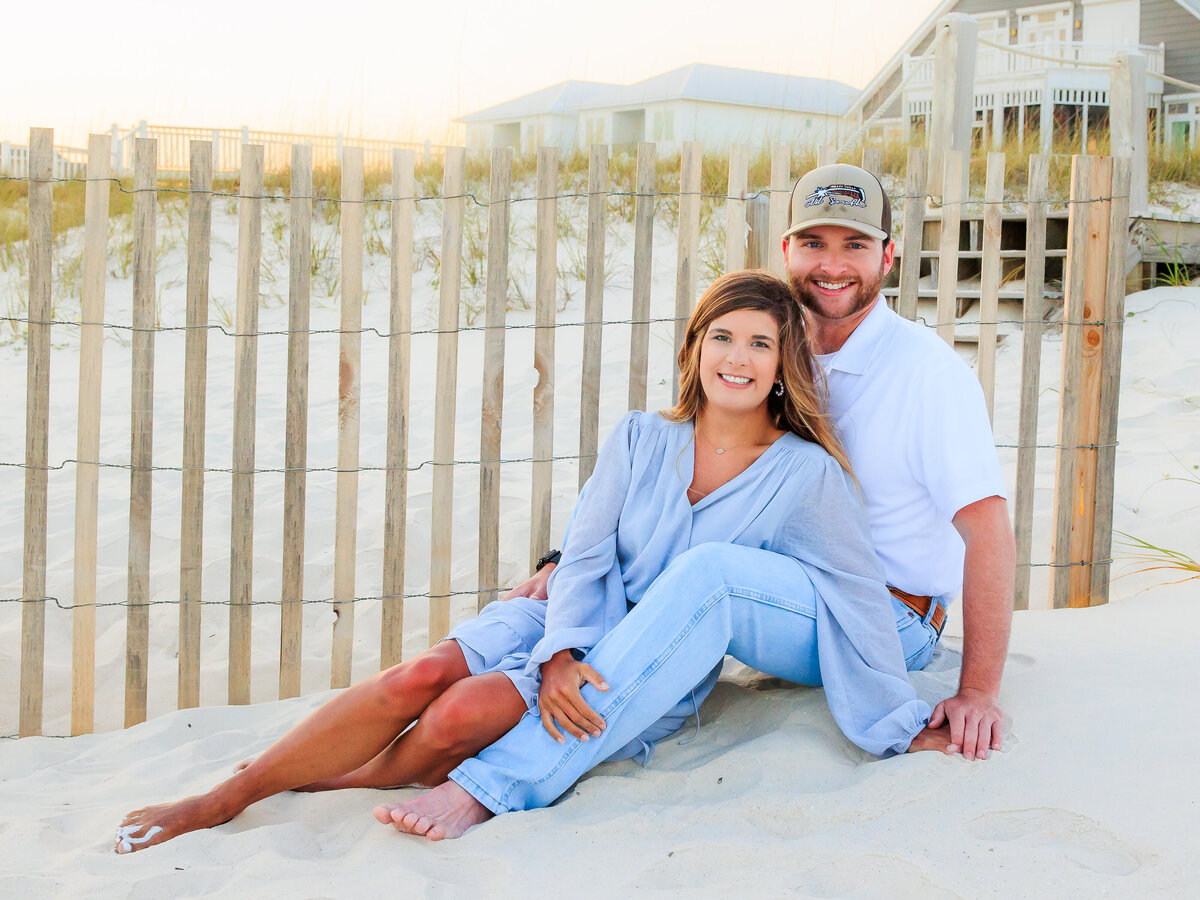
pixel 818 541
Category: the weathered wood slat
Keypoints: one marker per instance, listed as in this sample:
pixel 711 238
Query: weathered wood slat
pixel 955 195
pixel 441 537
pixel 914 230
pixel 643 253
pixel 546 268
pixel 345 541
pixel 87 438
pixel 195 381
pixel 1110 385
pixel 781 186
pixel 1091 349
pixel 989 284
pixel 688 247
pixel 1072 353
pixel 245 376
pixel 1031 367
pixel 141 430
pixel 872 161
pixel 295 451
pixel 593 313
pixel 735 207
pixel 492 405
pixel 37 432
pixel 395 501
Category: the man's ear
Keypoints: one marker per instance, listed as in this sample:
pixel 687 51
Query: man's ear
pixel 889 256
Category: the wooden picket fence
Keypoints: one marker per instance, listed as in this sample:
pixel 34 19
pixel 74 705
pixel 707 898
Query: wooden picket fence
pixel 1093 314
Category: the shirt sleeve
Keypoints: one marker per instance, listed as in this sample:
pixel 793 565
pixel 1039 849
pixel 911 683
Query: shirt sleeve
pixel 579 586
pixel 954 450
pixel 862 663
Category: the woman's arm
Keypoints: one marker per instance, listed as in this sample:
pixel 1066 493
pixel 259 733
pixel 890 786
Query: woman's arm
pixel 862 664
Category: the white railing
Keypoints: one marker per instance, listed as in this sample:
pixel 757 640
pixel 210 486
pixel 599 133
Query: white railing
pixel 174 147
pixel 69 162
pixel 993 63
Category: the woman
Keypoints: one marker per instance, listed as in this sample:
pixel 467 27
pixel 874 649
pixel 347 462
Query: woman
pixel 747 396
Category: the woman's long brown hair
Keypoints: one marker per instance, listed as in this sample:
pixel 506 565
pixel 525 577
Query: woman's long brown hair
pixel 801 410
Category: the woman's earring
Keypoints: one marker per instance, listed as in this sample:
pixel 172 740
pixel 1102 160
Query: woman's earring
pixel 779 388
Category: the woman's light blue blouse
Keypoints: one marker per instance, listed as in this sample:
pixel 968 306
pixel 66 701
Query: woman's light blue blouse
pixel 633 518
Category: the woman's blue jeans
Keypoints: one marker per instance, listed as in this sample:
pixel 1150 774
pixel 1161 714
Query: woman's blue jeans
pixel 757 606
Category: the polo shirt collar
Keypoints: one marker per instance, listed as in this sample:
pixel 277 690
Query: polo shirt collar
pixel 855 355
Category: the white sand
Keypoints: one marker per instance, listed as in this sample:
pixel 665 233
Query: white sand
pixel 1096 793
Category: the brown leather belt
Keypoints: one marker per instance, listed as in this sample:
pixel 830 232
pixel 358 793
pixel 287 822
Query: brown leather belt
pixel 920 605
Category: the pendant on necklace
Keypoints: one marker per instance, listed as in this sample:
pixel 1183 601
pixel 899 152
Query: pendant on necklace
pixel 720 449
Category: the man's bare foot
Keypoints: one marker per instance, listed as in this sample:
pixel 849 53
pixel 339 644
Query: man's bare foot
pixel 152 825
pixel 445 812
pixel 934 739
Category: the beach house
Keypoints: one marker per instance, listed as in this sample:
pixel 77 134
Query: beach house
pixel 1041 69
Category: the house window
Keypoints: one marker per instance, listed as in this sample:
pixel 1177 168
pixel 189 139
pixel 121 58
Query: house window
pixel 1039 24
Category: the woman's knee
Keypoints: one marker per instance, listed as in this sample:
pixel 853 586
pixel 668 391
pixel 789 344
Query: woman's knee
pixel 425 676
pixel 471 714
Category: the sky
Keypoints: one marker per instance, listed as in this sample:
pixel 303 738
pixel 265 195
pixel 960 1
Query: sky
pixel 398 70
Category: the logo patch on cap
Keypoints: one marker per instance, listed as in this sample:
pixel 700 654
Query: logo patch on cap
pixel 837 195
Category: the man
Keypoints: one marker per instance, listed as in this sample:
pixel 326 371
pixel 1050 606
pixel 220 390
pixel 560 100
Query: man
pixel 912 417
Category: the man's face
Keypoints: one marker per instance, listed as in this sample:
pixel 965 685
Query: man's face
pixel 836 271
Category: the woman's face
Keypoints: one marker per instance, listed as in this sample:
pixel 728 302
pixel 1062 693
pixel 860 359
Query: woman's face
pixel 739 360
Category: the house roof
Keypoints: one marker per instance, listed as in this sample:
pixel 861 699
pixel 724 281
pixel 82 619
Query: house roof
pixel 699 82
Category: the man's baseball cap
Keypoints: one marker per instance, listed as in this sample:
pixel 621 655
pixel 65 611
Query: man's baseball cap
pixel 840 194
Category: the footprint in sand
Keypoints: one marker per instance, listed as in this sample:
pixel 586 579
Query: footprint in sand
pixel 1063 833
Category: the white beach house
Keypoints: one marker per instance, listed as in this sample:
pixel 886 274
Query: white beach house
pixel 1033 97
pixel 715 105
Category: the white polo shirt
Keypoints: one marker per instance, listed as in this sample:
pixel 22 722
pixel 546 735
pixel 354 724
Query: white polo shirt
pixel 914 423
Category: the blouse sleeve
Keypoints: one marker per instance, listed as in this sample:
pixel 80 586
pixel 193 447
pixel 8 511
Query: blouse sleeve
pixel 580 584
pixel 862 663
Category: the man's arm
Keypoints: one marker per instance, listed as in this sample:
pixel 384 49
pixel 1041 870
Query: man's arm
pixel 973 714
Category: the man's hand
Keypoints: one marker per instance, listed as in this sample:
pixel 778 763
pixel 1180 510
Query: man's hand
pixel 534 586
pixel 559 698
pixel 975 720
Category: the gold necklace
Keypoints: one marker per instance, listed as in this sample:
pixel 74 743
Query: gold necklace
pixel 721 450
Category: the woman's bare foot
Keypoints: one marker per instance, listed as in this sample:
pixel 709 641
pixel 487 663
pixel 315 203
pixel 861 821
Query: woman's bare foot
pixel 445 812
pixel 152 825
pixel 934 739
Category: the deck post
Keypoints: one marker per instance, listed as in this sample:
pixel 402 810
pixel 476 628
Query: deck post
pixel 953 93
pixel 1127 111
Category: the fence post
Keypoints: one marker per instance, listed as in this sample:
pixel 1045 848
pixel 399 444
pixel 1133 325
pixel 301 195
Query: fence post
pixel 87 444
pixel 953 199
pixel 245 376
pixel 546 269
pixel 758 237
pixel 953 94
pixel 989 282
pixel 399 343
pixel 781 185
pixel 1083 353
pixel 37 431
pixel 593 313
pixel 643 252
pixel 491 414
pixel 349 412
pixel 688 248
pixel 1031 367
pixel 1127 106
pixel 735 208
pixel 1110 384
pixel 441 532
pixel 141 429
pixel 216 142
pixel 118 153
pixel 195 379
pixel 914 232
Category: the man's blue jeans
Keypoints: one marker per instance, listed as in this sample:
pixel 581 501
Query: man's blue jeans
pixel 757 606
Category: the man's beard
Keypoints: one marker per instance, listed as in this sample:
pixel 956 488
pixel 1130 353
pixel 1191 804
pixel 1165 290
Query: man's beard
pixel 864 295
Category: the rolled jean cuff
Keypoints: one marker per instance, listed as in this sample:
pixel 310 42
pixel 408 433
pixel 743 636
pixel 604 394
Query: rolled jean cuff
pixel 472 787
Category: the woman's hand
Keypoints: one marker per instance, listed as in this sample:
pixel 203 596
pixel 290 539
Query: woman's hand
pixel 559 698
pixel 933 739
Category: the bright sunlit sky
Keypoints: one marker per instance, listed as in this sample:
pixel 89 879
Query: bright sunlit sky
pixel 397 70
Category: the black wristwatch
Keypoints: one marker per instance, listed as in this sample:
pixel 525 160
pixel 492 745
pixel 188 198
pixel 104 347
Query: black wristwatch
pixel 552 557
